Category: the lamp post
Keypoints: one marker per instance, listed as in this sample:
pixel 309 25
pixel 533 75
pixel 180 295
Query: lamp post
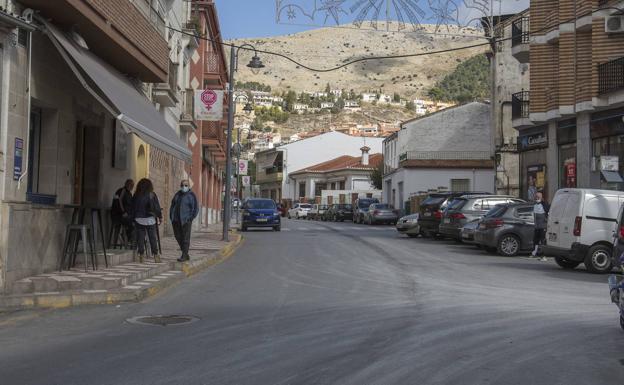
pixel 255 64
pixel 248 109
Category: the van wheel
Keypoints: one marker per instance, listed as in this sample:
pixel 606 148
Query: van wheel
pixel 598 259
pixel 566 263
pixel 622 322
pixel 509 245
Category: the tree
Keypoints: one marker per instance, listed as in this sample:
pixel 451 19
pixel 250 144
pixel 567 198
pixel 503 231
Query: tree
pixel 328 89
pixel 396 98
pixel 376 176
pixel 410 106
pixel 470 81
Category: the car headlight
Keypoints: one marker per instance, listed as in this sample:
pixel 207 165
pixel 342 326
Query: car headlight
pixel 412 221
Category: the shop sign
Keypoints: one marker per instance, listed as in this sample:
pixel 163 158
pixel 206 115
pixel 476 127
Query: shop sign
pixel 609 163
pixel 209 105
pixel 537 140
pixel 243 167
pixel 246 181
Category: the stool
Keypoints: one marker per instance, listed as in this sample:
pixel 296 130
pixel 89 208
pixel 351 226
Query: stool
pixel 117 231
pixel 73 234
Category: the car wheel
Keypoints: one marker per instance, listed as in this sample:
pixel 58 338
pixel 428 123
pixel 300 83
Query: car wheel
pixel 509 245
pixel 598 259
pixel 622 322
pixel 566 263
pixel 289 216
pixel 277 228
pixel 244 228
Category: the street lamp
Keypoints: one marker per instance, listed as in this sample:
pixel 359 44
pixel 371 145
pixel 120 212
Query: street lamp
pixel 255 64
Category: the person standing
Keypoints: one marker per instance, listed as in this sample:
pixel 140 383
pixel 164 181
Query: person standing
pixel 540 214
pixel 147 215
pixel 121 208
pixel 183 211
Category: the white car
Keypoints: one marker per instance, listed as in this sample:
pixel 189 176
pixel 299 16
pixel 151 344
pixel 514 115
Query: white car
pixel 299 210
pixel 581 227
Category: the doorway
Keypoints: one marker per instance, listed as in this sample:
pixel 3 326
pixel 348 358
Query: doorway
pixel 87 165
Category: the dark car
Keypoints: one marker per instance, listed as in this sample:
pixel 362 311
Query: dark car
pixel 381 213
pixel 507 228
pixel 261 213
pixel 466 209
pixel 360 208
pixel 432 210
pixel 339 212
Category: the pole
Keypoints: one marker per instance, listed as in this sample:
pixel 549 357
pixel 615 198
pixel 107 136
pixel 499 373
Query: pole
pixel 227 199
pixel 238 179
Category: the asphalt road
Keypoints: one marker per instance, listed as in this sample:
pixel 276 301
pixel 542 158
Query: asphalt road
pixel 337 303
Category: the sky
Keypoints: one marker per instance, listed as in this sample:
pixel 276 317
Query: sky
pixel 257 18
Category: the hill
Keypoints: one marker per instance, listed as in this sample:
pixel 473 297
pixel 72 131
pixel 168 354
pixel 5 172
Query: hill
pixel 470 81
pixel 328 47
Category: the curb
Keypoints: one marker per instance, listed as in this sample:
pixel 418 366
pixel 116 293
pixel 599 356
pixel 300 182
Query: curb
pixel 121 295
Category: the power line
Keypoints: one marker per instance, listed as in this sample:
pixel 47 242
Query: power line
pixel 493 40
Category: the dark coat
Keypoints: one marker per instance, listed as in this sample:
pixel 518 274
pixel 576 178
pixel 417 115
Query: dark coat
pixel 184 207
pixel 145 206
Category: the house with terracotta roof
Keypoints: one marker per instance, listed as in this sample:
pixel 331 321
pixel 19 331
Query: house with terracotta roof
pixel 344 178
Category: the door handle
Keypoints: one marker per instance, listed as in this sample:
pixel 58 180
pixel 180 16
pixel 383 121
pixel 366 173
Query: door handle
pixel 556 223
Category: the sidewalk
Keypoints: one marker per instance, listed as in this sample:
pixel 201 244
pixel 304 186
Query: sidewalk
pixel 124 280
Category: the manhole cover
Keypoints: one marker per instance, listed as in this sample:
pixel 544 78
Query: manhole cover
pixel 163 320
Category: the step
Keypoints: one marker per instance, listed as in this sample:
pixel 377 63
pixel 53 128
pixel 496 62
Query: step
pixel 115 257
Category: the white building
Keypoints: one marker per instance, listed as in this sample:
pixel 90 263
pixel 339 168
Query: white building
pixel 273 167
pixel 369 98
pixel 384 99
pixel 300 108
pixel 450 148
pixel 327 105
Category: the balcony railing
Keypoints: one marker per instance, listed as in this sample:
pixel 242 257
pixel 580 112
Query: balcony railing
pixel 520 31
pixel 446 155
pixel 520 103
pixel 611 76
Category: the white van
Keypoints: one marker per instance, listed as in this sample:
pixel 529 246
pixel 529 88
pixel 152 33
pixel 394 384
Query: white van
pixel 581 227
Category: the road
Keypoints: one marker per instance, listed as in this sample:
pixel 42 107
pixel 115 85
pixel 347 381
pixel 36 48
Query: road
pixel 337 303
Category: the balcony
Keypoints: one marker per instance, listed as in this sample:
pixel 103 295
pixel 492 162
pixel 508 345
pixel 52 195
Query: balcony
pixel 166 94
pixel 611 76
pixel 520 109
pixel 446 159
pixel 520 39
pixel 187 117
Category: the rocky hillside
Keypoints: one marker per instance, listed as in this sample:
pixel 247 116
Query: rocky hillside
pixel 329 47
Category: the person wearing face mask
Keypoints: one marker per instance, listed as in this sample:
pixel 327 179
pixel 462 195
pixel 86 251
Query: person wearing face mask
pixel 540 213
pixel 183 211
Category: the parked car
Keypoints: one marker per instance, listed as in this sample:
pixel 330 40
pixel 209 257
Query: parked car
pixel 282 210
pixel 299 210
pixel 360 208
pixel 467 208
pixel 581 226
pixel 317 212
pixel 408 225
pixel 468 231
pixel 507 228
pixel 432 209
pixel 381 213
pixel 339 212
pixel 259 212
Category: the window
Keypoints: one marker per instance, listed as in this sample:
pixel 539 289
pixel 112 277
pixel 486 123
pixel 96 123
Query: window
pixel 302 189
pixel 525 213
pixel 460 185
pixel 342 185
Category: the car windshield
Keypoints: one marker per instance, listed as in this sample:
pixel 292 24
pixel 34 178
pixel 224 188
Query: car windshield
pixel 260 205
pixel 323 207
pixel 496 212
pixel 344 207
pixel 365 203
pixel 383 207
pixel 433 201
pixel 456 204
pixel 305 206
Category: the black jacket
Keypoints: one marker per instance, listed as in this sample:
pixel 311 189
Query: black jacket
pixel 145 206
pixel 122 203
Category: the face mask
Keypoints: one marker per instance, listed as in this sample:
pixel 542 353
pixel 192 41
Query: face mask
pixel 185 189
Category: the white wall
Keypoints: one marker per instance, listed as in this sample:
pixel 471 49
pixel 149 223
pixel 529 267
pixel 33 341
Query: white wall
pixel 308 152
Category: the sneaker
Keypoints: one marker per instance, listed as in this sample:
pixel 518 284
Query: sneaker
pixel 141 257
pixel 157 258
pixel 183 258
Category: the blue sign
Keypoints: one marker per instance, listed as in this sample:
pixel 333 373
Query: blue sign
pixel 17 158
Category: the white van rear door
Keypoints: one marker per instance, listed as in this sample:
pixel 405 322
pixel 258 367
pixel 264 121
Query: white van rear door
pixel 554 217
pixel 600 218
pixel 573 209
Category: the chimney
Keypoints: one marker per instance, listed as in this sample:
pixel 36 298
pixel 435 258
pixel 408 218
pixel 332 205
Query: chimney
pixel 365 151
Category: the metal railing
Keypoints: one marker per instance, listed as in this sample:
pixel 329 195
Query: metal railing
pixel 520 105
pixel 446 155
pixel 520 31
pixel 611 76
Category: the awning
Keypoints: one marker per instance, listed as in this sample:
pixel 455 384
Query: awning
pixel 612 177
pixel 135 112
pixel 269 161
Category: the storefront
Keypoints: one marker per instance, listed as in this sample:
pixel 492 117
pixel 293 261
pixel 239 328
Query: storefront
pixel 533 145
pixel 607 135
pixel 566 142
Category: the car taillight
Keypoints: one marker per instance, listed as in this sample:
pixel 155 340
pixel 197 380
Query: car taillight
pixel 457 216
pixel 438 214
pixel 376 212
pixel 621 232
pixel 578 223
pixel 492 224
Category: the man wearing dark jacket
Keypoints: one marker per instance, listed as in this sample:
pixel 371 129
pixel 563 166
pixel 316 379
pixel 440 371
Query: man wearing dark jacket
pixel 183 211
pixel 121 209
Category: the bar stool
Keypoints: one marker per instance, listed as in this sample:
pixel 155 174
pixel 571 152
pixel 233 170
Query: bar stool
pixel 73 234
pixel 117 231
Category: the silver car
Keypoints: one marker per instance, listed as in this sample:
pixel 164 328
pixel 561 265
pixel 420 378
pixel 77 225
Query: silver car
pixel 381 213
pixel 408 225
